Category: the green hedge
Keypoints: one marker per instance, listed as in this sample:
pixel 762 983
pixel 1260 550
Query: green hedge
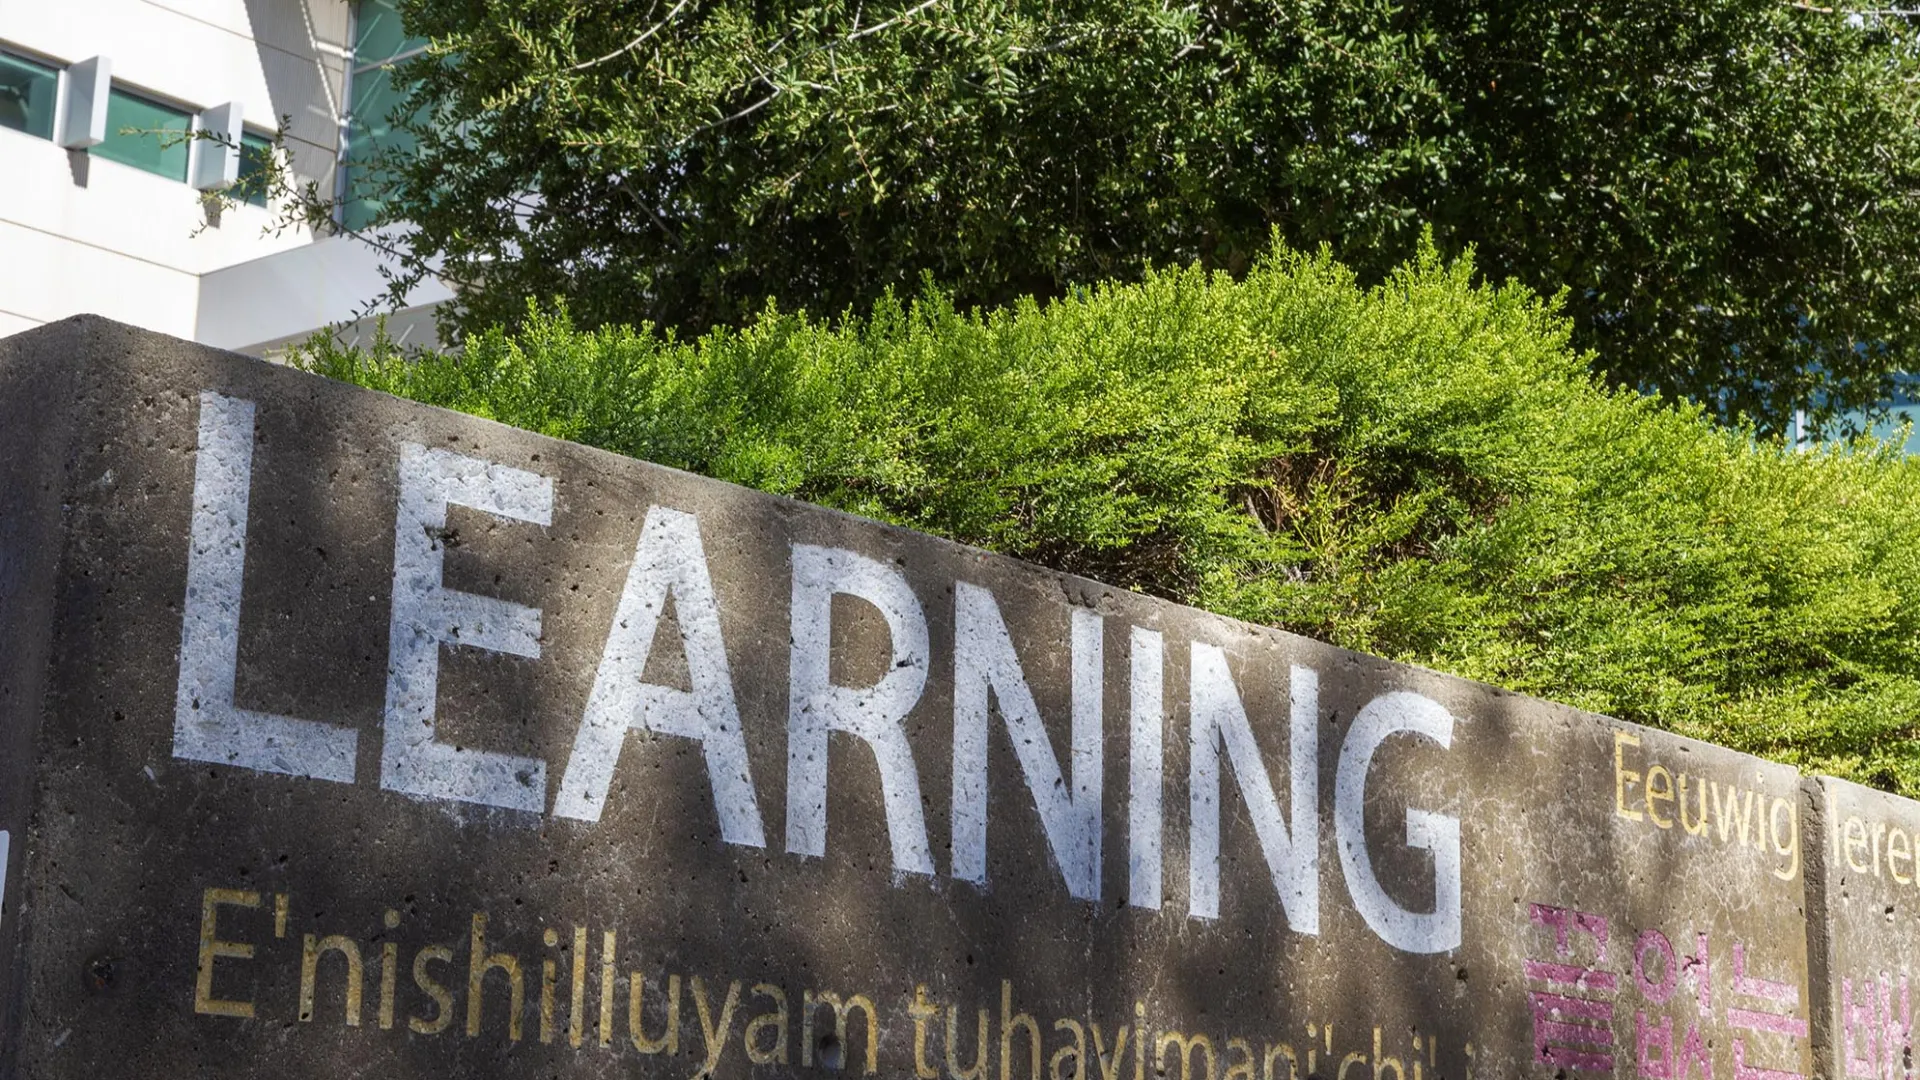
pixel 1423 470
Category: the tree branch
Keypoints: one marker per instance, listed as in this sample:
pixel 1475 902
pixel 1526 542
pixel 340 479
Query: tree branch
pixel 638 41
pixel 753 108
pixel 902 17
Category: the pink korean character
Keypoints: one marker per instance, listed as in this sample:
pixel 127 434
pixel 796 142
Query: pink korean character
pixel 1778 1020
pixel 1657 971
pixel 1572 1031
pixel 1876 1030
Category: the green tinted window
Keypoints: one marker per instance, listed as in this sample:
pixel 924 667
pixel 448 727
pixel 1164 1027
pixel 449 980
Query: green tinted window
pixel 378 35
pixel 359 208
pixel 26 95
pixel 372 101
pixel 255 152
pixel 380 42
pixel 136 135
pixel 376 96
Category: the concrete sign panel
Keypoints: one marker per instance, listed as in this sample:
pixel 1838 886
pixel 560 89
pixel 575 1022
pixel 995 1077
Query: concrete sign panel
pixel 1868 937
pixel 349 737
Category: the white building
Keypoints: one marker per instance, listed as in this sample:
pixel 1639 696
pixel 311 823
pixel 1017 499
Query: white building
pixel 95 217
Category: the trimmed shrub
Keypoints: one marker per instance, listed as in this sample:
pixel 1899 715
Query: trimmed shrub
pixel 1422 470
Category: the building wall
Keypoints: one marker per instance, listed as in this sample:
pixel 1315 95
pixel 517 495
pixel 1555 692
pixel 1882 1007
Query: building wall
pixel 83 234
pixel 260 306
pixel 283 59
pixel 88 235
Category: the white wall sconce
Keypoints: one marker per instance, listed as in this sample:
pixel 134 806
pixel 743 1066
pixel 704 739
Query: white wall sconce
pixel 83 105
pixel 216 161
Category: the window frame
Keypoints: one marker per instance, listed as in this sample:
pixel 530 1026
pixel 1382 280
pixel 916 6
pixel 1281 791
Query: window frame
pixel 58 68
pixel 252 138
pixel 267 146
pixel 358 67
pixel 161 101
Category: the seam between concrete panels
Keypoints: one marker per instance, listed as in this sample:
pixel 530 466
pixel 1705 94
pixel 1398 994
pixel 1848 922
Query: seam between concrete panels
pixel 1826 1060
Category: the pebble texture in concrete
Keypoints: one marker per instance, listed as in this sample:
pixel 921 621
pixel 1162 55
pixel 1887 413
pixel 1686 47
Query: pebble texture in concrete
pixel 350 737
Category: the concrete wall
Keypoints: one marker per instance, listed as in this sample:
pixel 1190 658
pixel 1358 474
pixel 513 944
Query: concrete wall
pixel 1868 915
pixel 350 716
pixel 30 548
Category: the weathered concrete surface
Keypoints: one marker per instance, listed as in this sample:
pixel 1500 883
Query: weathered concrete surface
pixel 1869 939
pixel 306 769
pixel 34 481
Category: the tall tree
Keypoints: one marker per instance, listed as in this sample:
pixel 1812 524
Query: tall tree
pixel 1728 190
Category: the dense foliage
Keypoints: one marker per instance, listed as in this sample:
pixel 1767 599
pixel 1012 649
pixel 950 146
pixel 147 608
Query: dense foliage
pixel 1729 189
pixel 1423 469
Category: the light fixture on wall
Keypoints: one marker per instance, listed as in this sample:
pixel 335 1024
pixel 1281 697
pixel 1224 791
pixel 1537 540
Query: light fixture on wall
pixel 83 105
pixel 216 160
